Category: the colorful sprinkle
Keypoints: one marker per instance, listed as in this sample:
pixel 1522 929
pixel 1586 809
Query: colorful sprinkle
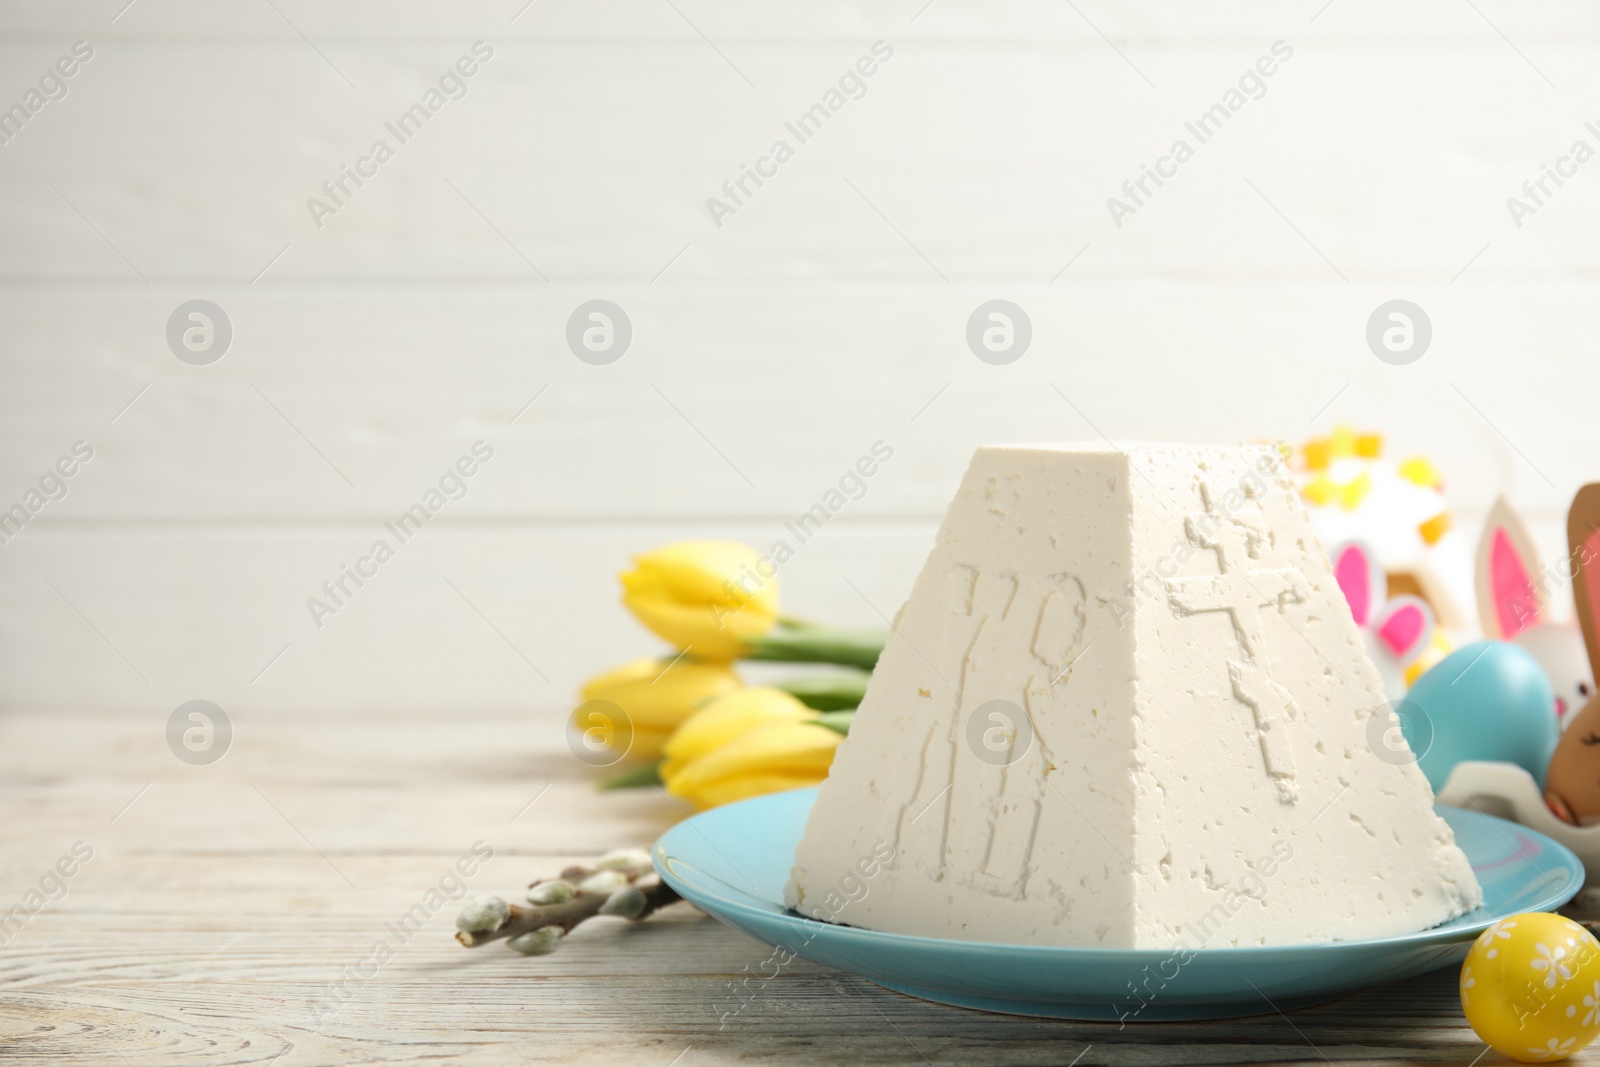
pixel 1343 442
pixel 1321 490
pixel 1353 492
pixel 1420 470
pixel 1436 527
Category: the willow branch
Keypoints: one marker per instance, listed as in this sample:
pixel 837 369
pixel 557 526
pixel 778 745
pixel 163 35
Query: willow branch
pixel 623 884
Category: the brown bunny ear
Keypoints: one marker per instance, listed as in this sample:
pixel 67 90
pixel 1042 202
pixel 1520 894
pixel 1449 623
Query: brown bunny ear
pixel 1583 544
pixel 1507 563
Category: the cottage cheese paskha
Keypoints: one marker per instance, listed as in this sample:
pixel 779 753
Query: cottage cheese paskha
pixel 1127 704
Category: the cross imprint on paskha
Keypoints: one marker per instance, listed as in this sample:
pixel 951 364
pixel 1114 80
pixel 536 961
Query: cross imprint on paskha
pixel 1243 588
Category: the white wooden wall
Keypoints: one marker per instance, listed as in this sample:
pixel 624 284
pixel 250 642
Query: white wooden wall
pixel 768 353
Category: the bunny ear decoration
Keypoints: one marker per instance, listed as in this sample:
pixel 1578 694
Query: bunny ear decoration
pixel 1583 543
pixel 1507 562
pixel 1361 580
pixel 1405 628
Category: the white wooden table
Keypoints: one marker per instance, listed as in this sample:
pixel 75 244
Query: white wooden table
pixel 222 901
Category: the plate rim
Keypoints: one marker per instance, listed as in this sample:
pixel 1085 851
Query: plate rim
pixel 794 921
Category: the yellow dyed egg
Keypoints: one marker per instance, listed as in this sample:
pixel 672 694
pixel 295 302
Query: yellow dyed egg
pixel 1531 987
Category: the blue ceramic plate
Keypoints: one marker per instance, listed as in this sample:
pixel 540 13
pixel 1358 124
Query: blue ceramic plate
pixel 733 862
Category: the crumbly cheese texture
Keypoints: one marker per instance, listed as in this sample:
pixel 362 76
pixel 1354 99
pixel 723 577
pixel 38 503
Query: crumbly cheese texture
pixel 1202 755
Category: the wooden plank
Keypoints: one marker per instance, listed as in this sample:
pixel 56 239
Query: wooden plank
pixel 513 619
pixel 144 620
pixel 649 1021
pixel 650 1030
pixel 590 161
pixel 786 385
pixel 730 21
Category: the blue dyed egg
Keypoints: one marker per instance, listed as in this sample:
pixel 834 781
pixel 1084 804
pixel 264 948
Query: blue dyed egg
pixel 1489 700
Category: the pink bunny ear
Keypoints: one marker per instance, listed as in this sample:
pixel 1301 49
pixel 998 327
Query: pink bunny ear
pixel 1507 561
pixel 1360 578
pixel 1406 628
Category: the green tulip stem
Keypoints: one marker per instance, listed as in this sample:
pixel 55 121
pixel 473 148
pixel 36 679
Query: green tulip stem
pixel 837 721
pixel 649 774
pixel 819 644
pixel 827 692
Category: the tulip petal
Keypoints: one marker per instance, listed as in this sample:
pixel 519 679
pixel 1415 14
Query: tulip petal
pixel 727 718
pixel 729 790
pixel 800 750
pixel 714 631
pixel 698 571
pixel 658 695
pixel 708 596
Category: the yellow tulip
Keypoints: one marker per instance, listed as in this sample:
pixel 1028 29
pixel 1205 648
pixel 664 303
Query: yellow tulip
pixel 710 597
pixel 726 718
pixel 657 698
pixel 787 754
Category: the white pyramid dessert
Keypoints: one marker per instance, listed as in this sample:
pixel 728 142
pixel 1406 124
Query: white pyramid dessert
pixel 1201 752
